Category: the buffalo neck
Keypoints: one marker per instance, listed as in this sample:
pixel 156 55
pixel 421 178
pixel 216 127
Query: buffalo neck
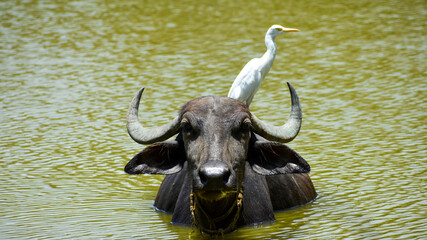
pixel 217 216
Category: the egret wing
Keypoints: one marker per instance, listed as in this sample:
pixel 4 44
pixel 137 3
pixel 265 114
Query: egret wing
pixel 247 82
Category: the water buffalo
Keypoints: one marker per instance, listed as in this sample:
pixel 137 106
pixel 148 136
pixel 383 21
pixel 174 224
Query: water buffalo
pixel 226 168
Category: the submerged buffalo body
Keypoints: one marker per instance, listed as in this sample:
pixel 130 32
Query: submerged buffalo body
pixel 225 168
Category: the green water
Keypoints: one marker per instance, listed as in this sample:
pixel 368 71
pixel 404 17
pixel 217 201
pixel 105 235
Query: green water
pixel 70 68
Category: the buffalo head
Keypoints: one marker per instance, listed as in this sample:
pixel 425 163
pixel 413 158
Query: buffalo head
pixel 218 138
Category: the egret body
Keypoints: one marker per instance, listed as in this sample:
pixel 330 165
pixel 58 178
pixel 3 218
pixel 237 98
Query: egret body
pixel 249 79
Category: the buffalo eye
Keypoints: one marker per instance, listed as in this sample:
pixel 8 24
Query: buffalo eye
pixel 187 129
pixel 244 128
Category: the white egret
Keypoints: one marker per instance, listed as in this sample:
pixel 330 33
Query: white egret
pixel 249 79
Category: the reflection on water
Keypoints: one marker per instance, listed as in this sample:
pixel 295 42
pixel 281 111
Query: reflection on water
pixel 69 70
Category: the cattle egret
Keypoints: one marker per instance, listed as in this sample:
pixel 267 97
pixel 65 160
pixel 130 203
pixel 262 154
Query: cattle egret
pixel 249 79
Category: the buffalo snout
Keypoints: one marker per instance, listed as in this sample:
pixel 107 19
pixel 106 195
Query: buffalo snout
pixel 215 178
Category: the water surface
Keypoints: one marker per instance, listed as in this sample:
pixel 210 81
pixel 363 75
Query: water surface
pixel 69 70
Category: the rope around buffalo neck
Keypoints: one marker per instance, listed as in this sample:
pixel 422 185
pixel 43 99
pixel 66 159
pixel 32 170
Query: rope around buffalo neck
pixel 213 221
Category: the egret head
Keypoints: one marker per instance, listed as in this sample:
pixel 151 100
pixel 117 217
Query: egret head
pixel 277 30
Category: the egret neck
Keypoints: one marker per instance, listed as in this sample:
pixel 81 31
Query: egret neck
pixel 268 58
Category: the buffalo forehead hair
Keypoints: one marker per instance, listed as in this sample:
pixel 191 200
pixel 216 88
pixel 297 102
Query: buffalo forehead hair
pixel 207 104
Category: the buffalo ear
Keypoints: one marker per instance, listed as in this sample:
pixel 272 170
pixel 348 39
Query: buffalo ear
pixel 158 158
pixel 268 158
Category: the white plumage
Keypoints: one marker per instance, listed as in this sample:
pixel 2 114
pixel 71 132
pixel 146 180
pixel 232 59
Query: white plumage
pixel 249 79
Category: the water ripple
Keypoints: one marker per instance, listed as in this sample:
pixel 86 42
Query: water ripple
pixel 69 70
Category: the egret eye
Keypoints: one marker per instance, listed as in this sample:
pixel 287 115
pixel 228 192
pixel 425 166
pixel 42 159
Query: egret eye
pixel 278 29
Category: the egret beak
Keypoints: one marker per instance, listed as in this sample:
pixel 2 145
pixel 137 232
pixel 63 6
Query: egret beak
pixel 290 30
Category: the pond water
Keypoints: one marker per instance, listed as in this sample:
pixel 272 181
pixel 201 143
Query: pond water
pixel 70 68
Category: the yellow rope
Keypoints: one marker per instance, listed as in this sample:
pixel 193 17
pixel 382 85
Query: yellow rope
pixel 213 221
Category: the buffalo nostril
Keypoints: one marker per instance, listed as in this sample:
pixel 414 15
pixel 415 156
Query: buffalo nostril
pixel 202 178
pixel 226 177
pixel 214 174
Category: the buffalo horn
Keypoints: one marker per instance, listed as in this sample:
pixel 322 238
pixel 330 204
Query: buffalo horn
pixel 144 135
pixel 286 132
